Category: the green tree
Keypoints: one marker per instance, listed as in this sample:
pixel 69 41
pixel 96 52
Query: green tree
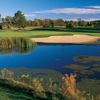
pixel 59 22
pixel 51 23
pixel 7 22
pixel 0 22
pixel 69 24
pixel 96 24
pixel 19 20
pixel 82 23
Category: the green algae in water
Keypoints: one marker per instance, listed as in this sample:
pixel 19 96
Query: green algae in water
pixel 86 59
pixel 89 85
pixel 80 69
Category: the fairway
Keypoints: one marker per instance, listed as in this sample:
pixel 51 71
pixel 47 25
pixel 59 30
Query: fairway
pixel 36 34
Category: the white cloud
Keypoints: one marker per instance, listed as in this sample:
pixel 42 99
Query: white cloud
pixel 30 15
pixel 71 11
pixel 96 7
pixel 85 19
pixel 91 19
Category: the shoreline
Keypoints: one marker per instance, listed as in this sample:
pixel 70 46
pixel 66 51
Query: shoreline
pixel 72 39
pixel 42 43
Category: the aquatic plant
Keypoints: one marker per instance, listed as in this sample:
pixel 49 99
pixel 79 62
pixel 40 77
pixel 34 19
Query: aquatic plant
pixel 17 44
pixel 86 59
pixel 69 85
pixel 6 74
pixel 52 86
pixel 25 78
pixel 37 86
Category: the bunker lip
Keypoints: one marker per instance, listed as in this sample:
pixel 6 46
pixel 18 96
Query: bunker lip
pixel 73 39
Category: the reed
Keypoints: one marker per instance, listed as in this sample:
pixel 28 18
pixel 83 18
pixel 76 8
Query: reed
pixel 19 44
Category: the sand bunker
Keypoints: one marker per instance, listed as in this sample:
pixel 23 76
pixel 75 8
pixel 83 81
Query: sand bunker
pixel 74 39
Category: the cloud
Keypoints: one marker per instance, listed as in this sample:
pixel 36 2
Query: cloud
pixel 86 19
pixel 91 19
pixel 95 7
pixel 71 11
pixel 30 15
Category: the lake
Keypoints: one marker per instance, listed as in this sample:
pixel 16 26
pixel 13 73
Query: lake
pixel 51 56
pixel 51 61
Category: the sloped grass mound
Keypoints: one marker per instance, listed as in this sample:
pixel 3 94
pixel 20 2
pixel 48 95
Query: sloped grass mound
pixel 10 91
pixel 28 87
pixel 15 90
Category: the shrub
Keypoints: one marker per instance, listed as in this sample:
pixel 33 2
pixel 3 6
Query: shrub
pixel 6 74
pixel 37 86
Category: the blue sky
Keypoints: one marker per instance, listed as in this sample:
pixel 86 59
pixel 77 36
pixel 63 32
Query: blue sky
pixel 66 9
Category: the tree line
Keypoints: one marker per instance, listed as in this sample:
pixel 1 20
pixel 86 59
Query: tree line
pixel 20 21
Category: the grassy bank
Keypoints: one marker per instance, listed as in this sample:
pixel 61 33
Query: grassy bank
pixel 29 87
pixel 10 92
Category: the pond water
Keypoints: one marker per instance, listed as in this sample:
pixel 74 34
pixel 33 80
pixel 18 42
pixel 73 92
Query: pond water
pixel 51 61
pixel 54 57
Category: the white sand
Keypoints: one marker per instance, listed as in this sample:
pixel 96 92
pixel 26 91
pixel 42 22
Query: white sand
pixel 67 39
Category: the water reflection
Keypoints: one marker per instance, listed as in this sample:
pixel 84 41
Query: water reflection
pixel 17 45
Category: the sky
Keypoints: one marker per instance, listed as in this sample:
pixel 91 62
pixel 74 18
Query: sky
pixel 53 9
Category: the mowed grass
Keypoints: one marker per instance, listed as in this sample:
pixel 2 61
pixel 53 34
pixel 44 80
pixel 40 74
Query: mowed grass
pixel 36 34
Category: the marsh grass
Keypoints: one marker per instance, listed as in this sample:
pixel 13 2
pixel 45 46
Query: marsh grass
pixel 17 44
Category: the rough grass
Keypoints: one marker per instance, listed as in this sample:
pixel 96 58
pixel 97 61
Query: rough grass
pixel 14 90
pixel 10 92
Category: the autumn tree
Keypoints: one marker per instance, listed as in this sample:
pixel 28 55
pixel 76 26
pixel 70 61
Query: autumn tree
pixel 37 22
pixel 46 23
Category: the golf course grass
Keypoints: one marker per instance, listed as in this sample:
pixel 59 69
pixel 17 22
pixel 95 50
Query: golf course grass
pixel 36 34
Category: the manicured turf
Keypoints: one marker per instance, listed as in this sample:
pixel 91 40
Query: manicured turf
pixel 40 33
